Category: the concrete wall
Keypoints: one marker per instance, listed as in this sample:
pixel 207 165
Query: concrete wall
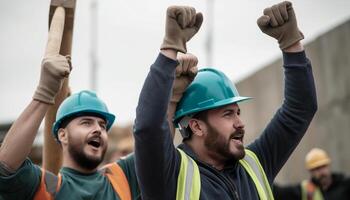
pixel 330 57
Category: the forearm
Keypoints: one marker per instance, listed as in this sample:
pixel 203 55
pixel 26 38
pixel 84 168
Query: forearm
pixel 19 139
pixel 154 148
pixel 290 122
pixel 299 92
pixel 155 95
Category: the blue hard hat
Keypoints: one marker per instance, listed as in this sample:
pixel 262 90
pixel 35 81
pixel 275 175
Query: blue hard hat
pixel 79 104
pixel 210 89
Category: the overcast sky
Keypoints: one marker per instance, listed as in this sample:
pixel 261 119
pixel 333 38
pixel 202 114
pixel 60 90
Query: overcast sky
pixel 129 35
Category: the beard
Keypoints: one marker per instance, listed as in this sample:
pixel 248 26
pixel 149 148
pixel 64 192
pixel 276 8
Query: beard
pixel 221 145
pixel 320 181
pixel 82 159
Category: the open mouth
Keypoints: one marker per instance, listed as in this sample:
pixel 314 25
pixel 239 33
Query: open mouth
pixel 95 142
pixel 238 137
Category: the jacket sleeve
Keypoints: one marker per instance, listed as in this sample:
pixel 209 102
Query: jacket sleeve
pixel 289 124
pixel 155 154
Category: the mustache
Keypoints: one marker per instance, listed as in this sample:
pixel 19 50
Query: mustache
pixel 238 133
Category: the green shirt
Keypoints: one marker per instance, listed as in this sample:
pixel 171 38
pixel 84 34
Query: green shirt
pixel 75 185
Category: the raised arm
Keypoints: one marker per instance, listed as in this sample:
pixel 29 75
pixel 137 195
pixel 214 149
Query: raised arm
pixel 291 121
pixel 19 139
pixel 155 154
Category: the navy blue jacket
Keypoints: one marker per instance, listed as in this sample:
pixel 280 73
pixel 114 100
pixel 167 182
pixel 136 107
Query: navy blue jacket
pixel 158 162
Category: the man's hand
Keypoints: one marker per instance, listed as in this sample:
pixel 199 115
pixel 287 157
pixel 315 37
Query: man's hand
pixel 182 23
pixel 185 73
pixel 53 71
pixel 279 22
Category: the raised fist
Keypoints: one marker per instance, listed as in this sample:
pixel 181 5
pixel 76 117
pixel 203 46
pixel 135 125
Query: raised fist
pixel 182 23
pixel 185 73
pixel 53 71
pixel 279 22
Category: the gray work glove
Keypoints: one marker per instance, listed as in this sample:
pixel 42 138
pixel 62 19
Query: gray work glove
pixel 185 73
pixel 182 23
pixel 53 71
pixel 279 22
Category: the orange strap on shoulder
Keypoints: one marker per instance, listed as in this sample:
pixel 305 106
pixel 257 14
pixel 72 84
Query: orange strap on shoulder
pixel 116 176
pixel 49 185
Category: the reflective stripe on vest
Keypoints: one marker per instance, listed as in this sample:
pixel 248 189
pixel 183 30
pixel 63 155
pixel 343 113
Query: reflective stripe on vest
pixel 310 192
pixel 252 165
pixel 188 181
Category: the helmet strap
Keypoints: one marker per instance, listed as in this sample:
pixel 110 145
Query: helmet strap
pixel 183 125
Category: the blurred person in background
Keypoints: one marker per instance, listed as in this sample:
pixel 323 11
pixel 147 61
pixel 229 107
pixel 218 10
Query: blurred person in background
pixel 322 184
pixel 121 143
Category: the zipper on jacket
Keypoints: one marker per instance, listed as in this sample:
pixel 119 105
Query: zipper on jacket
pixel 231 186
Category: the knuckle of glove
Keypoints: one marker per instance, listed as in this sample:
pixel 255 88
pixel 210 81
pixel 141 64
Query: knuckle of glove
pixel 57 70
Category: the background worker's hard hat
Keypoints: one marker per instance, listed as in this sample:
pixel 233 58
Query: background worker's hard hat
pixel 210 89
pixel 80 104
pixel 316 158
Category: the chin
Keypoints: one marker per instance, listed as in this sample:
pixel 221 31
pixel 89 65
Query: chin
pixel 94 157
pixel 238 154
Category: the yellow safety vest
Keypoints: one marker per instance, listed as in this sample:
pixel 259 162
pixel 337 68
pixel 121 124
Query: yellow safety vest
pixel 189 183
pixel 310 192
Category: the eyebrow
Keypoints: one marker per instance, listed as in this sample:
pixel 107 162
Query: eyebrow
pixel 231 110
pixel 86 118
pixel 99 120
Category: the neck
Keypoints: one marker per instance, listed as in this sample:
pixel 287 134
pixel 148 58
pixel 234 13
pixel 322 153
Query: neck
pixel 205 155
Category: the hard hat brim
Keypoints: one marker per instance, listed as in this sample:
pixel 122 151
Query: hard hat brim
pixel 210 105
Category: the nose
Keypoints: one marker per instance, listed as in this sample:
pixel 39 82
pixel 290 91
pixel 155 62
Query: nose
pixel 97 128
pixel 238 124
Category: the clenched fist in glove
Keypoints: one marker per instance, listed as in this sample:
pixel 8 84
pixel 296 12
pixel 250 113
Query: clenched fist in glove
pixel 53 71
pixel 279 22
pixel 185 73
pixel 182 23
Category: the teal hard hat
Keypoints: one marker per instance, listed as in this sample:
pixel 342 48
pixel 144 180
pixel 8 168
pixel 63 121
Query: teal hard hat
pixel 210 89
pixel 80 104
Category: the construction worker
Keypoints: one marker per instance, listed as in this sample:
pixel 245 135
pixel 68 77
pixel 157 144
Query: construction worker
pixel 322 185
pixel 83 149
pixel 81 127
pixel 212 162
